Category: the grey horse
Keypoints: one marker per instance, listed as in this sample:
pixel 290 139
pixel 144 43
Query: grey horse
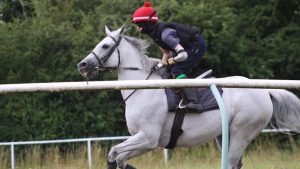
pixel 150 123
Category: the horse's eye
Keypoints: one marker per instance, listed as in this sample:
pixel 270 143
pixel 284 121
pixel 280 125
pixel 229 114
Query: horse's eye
pixel 105 46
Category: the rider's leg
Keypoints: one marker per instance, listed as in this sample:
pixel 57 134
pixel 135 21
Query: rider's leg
pixel 190 96
pixel 183 69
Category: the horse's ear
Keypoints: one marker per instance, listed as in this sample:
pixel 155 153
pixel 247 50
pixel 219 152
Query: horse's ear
pixel 121 30
pixel 107 31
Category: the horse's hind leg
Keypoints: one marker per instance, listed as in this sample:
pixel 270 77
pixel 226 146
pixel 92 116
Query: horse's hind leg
pixel 219 143
pixel 241 134
pixel 237 146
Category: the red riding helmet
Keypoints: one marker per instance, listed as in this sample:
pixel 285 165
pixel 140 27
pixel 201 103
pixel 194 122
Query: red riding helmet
pixel 145 13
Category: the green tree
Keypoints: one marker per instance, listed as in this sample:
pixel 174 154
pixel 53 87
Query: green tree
pixel 42 41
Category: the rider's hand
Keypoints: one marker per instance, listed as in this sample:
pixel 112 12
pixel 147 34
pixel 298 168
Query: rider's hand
pixel 181 57
pixel 158 66
pixel 165 58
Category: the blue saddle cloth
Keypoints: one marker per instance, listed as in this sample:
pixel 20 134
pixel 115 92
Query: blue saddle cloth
pixel 205 97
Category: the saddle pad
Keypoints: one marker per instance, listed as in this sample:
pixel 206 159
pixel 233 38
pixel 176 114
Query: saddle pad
pixel 205 97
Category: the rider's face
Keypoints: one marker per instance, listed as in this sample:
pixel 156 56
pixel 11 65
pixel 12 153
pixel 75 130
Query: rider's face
pixel 144 27
pixel 139 29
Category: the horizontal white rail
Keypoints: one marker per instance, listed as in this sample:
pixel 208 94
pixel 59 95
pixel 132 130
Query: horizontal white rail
pixel 65 141
pixel 147 84
pixel 275 130
pixel 101 139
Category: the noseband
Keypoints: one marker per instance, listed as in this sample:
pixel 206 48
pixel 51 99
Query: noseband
pixel 103 60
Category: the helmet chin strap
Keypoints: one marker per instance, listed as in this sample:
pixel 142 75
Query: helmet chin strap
pixel 147 28
pixel 150 17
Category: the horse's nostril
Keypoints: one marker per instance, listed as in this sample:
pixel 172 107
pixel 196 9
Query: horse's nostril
pixel 83 65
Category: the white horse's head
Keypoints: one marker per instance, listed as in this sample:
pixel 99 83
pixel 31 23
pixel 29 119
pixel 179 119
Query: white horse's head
pixel 104 56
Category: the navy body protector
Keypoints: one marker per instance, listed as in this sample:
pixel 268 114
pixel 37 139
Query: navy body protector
pixel 186 34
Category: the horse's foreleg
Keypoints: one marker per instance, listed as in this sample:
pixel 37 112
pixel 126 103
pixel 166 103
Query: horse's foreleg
pixel 121 158
pixel 134 146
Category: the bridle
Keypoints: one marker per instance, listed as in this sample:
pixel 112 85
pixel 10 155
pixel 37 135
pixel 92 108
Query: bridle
pixel 103 60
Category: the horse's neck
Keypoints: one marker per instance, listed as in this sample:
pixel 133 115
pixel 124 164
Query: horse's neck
pixel 132 59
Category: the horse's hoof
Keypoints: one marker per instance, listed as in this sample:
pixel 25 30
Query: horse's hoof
pixel 129 167
pixel 111 165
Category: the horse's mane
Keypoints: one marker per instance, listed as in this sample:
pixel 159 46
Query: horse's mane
pixel 141 46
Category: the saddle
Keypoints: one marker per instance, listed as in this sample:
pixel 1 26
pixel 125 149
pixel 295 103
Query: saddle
pixel 205 97
pixel 207 102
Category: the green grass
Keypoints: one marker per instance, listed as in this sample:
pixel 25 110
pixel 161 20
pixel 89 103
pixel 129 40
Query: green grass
pixel 260 157
pixel 200 157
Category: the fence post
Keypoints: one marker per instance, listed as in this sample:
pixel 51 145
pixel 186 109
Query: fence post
pixel 215 91
pixel 166 155
pixel 89 153
pixel 12 155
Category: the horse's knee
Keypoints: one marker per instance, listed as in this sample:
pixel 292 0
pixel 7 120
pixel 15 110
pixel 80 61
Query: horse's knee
pixel 151 140
pixel 152 143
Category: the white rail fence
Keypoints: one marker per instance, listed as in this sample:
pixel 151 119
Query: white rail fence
pixel 87 140
pixel 89 145
pixel 147 84
pixel 134 84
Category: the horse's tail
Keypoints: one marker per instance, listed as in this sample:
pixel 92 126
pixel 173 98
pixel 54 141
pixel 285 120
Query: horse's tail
pixel 286 113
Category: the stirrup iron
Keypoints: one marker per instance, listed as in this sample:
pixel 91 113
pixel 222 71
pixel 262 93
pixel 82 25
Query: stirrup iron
pixel 181 105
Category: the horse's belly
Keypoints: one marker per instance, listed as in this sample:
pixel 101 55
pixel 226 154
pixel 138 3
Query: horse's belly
pixel 197 128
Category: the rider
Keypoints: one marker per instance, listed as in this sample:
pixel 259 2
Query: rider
pixel 182 46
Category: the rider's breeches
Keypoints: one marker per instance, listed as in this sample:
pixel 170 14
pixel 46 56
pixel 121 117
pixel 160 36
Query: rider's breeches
pixel 195 52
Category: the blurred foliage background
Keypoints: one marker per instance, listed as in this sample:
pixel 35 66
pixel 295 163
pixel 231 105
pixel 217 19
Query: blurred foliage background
pixel 42 41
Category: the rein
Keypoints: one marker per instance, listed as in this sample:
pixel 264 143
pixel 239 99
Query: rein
pixel 152 70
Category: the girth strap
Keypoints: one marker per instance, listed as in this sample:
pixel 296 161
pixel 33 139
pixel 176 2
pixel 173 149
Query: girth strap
pixel 176 128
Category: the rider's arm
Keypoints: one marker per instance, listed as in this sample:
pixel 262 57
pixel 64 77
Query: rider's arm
pixel 169 36
pixel 166 55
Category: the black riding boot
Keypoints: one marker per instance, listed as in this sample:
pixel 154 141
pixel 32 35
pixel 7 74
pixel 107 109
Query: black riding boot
pixel 191 99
